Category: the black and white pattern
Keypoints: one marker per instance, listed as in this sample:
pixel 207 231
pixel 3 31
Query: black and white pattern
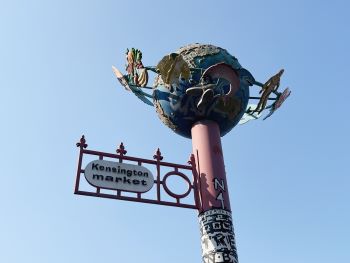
pixel 217 237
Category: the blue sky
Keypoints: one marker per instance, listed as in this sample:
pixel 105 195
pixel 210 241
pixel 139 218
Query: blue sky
pixel 288 176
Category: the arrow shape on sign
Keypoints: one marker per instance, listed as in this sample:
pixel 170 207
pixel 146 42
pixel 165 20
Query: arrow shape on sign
pixel 221 199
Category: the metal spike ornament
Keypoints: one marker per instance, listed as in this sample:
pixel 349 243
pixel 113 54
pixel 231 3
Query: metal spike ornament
pixel 201 92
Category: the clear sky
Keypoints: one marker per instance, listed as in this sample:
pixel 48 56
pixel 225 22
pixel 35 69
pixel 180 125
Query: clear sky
pixel 288 176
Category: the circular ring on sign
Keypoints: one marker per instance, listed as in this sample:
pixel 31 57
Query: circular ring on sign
pixel 167 190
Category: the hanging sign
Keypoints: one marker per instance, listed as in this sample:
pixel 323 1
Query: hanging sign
pixel 119 176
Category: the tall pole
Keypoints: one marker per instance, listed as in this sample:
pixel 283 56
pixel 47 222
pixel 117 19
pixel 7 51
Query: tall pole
pixel 215 219
pixel 204 81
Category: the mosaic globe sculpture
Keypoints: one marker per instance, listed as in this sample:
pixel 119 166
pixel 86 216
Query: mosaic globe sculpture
pixel 199 82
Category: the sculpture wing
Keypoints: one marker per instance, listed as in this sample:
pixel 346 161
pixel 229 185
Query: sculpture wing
pixel 121 78
pixel 134 89
pixel 141 95
pixel 250 114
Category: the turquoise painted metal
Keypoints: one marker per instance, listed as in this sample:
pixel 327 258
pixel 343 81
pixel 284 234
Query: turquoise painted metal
pixel 200 82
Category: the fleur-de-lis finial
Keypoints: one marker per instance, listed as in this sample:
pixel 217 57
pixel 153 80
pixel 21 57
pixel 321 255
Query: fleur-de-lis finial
pixel 158 156
pixel 82 142
pixel 121 150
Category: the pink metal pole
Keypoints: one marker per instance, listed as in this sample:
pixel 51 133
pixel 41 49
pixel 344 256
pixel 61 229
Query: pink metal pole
pixel 217 236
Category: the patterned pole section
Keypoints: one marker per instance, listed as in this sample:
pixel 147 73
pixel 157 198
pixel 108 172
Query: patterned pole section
pixel 217 235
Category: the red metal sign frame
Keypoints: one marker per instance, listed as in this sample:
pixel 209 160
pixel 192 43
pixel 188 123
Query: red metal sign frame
pixel 159 182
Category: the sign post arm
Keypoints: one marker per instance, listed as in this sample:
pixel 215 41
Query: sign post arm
pixel 196 193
